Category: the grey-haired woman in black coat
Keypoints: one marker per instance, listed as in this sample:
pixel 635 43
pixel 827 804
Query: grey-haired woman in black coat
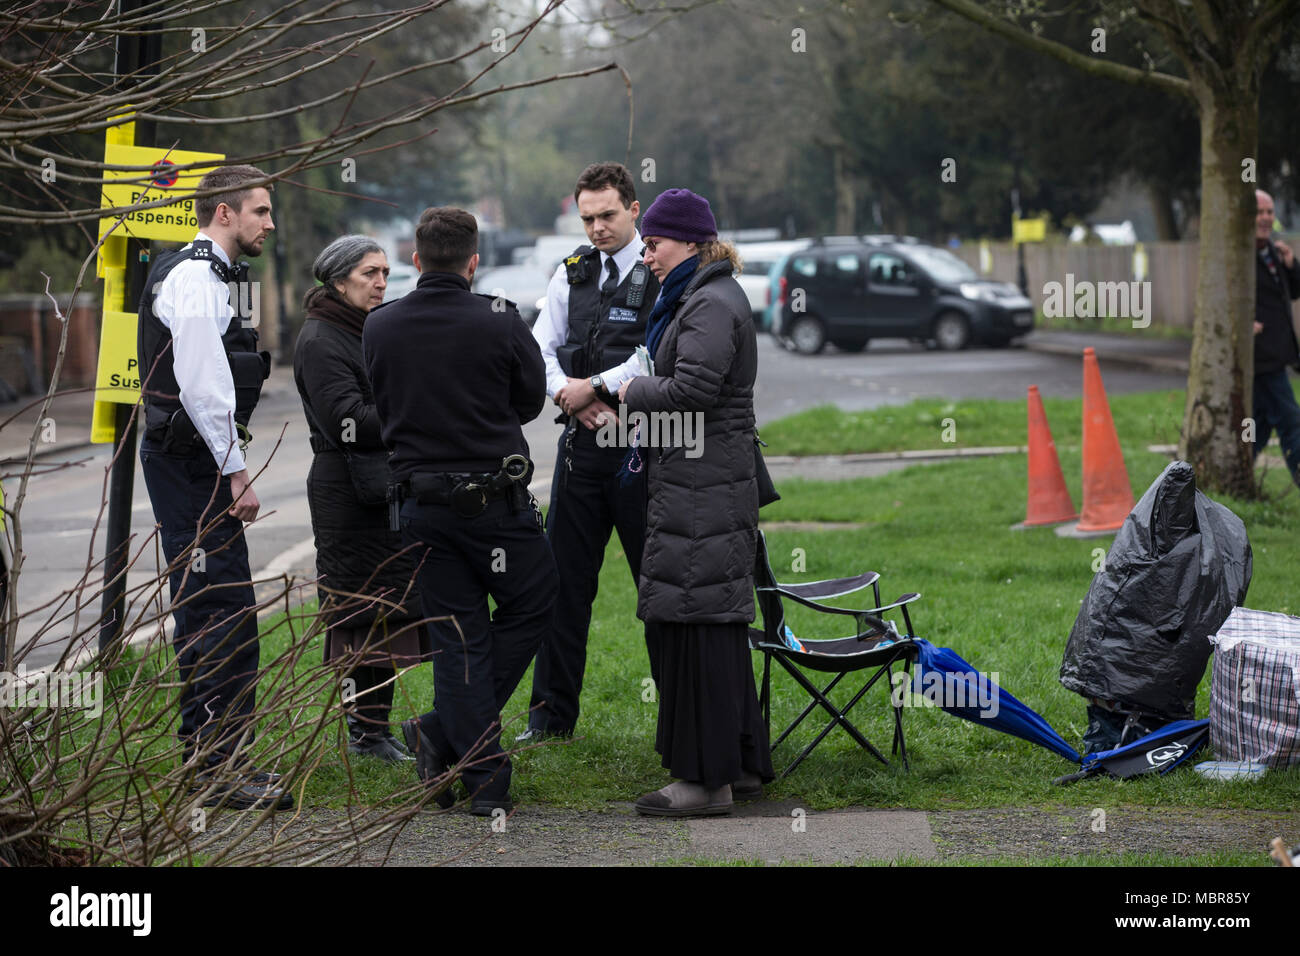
pixel 367 583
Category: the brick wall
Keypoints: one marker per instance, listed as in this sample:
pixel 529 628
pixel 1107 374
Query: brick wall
pixel 30 332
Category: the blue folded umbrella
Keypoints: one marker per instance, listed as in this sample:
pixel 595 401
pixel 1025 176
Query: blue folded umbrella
pixel 953 684
pixel 948 681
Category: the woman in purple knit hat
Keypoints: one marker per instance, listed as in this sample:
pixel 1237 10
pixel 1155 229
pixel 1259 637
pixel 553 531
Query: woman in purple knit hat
pixel 697 570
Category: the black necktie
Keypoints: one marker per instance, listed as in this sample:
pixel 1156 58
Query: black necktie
pixel 611 284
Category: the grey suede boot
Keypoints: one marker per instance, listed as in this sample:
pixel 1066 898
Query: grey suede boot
pixel 683 798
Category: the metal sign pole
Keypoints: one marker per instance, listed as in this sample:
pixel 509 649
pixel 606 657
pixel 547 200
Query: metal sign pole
pixel 136 60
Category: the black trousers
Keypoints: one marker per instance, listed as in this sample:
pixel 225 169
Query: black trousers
pixel 1275 408
pixel 478 662
pixel 213 608
pixel 374 701
pixel 587 503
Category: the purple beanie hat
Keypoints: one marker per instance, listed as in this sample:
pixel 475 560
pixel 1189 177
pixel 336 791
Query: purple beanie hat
pixel 682 215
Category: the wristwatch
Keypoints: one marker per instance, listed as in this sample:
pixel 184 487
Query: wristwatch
pixel 598 386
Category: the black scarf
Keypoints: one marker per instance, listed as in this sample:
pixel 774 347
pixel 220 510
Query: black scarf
pixel 337 313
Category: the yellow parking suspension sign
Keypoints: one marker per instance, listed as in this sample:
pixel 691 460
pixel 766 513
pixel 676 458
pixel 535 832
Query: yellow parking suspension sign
pixel 1028 230
pixel 117 379
pixel 175 223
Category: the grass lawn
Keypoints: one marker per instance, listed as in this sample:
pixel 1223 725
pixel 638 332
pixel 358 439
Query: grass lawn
pixel 1149 418
pixel 1005 601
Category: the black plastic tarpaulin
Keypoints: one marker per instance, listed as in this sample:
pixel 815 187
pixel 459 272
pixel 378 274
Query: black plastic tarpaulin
pixel 1178 566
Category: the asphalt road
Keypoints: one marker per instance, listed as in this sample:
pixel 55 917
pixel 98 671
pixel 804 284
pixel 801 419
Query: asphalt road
pixel 63 507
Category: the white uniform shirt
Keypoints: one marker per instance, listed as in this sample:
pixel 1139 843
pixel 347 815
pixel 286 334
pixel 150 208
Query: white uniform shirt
pixel 194 305
pixel 551 330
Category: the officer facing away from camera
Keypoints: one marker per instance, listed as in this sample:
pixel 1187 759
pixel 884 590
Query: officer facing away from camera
pixel 597 305
pixel 455 377
pixel 203 375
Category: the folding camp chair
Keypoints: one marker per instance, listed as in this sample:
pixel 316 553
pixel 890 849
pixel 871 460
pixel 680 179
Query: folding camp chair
pixel 874 648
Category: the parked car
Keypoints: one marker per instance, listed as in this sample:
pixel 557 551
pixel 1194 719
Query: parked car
pixel 849 290
pixel 757 260
pixel 523 285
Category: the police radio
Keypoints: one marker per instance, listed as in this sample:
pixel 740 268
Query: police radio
pixel 636 285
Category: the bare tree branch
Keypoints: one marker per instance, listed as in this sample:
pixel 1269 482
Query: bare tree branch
pixel 1117 71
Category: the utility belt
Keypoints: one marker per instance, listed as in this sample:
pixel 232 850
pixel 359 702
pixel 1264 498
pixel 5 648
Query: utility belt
pixel 585 359
pixel 172 429
pixel 467 494
pixel 175 434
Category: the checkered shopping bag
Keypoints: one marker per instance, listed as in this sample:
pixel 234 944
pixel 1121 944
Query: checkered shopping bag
pixel 1255 688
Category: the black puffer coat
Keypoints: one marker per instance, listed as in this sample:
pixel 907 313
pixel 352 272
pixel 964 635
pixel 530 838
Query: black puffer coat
pixel 352 540
pixel 702 512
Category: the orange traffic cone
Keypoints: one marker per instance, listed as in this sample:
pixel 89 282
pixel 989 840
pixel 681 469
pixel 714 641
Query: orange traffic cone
pixel 1107 494
pixel 1049 499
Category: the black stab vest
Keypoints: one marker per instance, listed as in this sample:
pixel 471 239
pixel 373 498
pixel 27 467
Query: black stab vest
pixel 248 367
pixel 603 331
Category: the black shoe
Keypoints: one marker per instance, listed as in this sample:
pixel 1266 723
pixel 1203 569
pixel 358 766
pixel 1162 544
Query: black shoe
pixel 482 807
pixel 246 790
pixel 374 740
pixel 430 765
pixel 397 744
pixel 382 748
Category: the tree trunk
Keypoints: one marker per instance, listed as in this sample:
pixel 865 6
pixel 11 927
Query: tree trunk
pixel 846 200
pixel 1219 383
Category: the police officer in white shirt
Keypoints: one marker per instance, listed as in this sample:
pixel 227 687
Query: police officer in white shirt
pixel 202 374
pixel 595 316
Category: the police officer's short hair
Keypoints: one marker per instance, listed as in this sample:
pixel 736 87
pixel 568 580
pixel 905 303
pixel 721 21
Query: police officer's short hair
pixel 445 239
pixel 600 176
pixel 229 179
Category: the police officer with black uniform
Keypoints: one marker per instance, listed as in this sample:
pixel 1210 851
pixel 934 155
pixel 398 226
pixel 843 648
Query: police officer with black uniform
pixel 597 305
pixel 455 377
pixel 203 374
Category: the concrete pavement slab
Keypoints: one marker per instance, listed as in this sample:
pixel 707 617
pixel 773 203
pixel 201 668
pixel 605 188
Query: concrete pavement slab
pixel 787 833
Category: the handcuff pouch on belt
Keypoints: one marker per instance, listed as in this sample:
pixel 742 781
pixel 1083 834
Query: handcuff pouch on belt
pixel 469 498
pixel 171 430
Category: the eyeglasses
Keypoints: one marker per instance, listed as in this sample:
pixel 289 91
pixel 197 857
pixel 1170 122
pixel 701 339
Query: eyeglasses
pixel 652 245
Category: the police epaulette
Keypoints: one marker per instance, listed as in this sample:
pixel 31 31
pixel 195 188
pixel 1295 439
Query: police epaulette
pixel 202 249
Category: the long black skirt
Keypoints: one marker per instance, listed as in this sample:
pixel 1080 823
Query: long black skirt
pixel 711 729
